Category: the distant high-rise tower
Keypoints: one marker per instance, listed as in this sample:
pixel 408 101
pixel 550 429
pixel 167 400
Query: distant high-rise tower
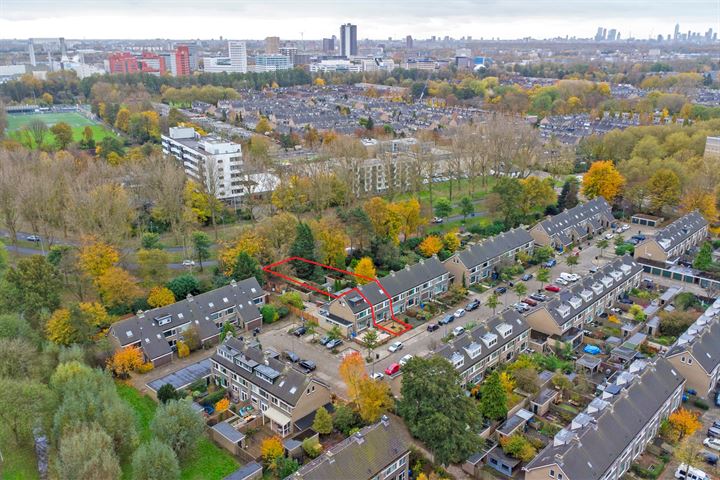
pixel 329 45
pixel 612 33
pixel 272 45
pixel 677 32
pixel 599 35
pixel 348 40
pixel 182 61
pixel 409 41
pixel 238 56
pixel 31 51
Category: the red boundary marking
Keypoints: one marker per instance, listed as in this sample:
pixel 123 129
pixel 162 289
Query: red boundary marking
pixel 269 269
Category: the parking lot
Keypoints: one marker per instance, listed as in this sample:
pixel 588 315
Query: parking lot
pixel 707 419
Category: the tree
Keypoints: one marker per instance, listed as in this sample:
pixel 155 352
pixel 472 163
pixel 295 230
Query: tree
pixel 451 241
pixel 166 393
pixel 703 201
pixel 160 297
pixel 122 121
pixel 246 267
pixel 155 460
pixel 442 207
pixel 537 195
pixel 370 341
pixel 352 371
pixel 285 467
pixel 87 138
pixel 664 189
pixel 227 329
pixel 150 241
pixel 562 383
pixel 311 446
pixel 520 289
pixel 703 259
pixel 568 197
pixel 493 398
pixel 685 422
pixel 126 360
pixel 602 179
pixel 222 405
pixel 492 302
pixel 374 399
pixel 117 288
pixel 63 134
pixel 345 419
pixel 543 276
pixel 269 314
pixel 177 424
pixel 201 245
pixel 38 131
pixel 323 422
pixel 153 265
pixel 431 245
pixel 24 403
pixel 263 126
pixel 602 244
pixel 676 322
pixel 32 288
pixel 271 450
pixel 527 380
pixel 183 350
pixel 303 247
pixel 467 207
pixel 184 285
pixel 87 454
pixel 96 258
pixel 505 200
pixel 436 409
pixel 68 326
pixel 542 254
pixel 365 268
pixel 18 358
pixel 517 446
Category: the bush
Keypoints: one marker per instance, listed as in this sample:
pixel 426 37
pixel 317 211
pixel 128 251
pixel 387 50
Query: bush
pixel 198 386
pixel 283 311
pixel 167 392
pixel 624 248
pixel 213 398
pixel 293 299
pixel 312 447
pixel 269 314
pixel 145 367
pixel 701 404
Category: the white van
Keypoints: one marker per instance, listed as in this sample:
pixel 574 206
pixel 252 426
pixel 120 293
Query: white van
pixel 569 277
pixel 692 474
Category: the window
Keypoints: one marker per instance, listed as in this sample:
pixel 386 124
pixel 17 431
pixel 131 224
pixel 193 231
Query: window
pixel 560 476
pixel 552 473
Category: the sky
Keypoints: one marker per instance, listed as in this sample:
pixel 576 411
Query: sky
pixel 376 19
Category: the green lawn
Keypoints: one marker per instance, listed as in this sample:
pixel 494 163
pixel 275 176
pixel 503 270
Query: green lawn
pixel 19 463
pixel 209 462
pixel 464 187
pixel 75 120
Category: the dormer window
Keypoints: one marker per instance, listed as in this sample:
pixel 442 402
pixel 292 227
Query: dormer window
pixel 586 295
pixel 164 320
pixel 607 281
pixel 616 275
pixel 576 302
pixel 504 329
pixel 457 360
pixel 473 350
pixel 597 288
pixel 564 310
pixel 625 268
pixel 490 339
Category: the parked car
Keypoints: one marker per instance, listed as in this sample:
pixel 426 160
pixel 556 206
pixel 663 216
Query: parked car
pixel 333 344
pixel 521 307
pixel 619 230
pixel 472 305
pixel 437 220
pixel 690 473
pixel 713 432
pixel 527 277
pixel 540 297
pixel 717 399
pixel 431 327
pixel 457 331
pixel 300 331
pixel 33 238
pixel 377 376
pixel 593 269
pixel 550 263
pixel 395 347
pixel 625 227
pixel 405 359
pixel 291 356
pixel 716 424
pixel 446 319
pixel 500 290
pixel 710 458
pixel 392 369
pixel 188 263
pixel 615 310
pixel 570 277
pixel 308 365
pixel 638 238
pixel 552 288
pixel 713 443
pixel 609 236
pixel 562 281
pixel 459 313
pixel 530 301
pixel 324 340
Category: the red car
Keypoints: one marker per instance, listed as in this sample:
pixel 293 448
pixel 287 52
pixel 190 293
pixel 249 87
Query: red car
pixel 392 369
pixel 530 302
pixel 552 288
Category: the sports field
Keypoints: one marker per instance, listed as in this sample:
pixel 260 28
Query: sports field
pixel 75 120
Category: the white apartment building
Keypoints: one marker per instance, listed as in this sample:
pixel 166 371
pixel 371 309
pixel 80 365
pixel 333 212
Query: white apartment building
pixel 235 62
pixel 215 163
pixel 335 66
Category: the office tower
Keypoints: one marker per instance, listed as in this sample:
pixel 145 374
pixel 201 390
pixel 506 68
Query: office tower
pixel 272 62
pixel 122 62
pixel 348 40
pixel 409 41
pixel 238 56
pixel 291 53
pixel 599 34
pixel 63 49
pixel 272 45
pixel 677 32
pixel 329 45
pixel 182 61
pixel 612 33
pixel 193 49
pixel 31 52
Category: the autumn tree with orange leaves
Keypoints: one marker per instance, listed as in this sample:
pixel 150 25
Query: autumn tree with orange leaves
pixel 603 180
pixel 352 371
pixel 684 422
pixel 125 361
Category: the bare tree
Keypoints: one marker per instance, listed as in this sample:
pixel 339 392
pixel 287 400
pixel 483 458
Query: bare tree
pixel 11 179
pixel 38 130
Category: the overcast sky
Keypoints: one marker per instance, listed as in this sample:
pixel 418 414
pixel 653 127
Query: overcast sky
pixel 377 19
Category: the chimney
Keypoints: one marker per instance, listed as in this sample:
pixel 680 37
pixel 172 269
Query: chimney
pixel 190 297
pixel 385 420
pixel 140 314
pixel 233 283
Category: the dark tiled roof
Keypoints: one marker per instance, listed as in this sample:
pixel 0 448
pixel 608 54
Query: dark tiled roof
pixel 288 385
pixel 361 456
pixel 592 211
pixel 705 348
pixel 245 472
pixel 598 445
pixel 679 230
pixel 227 431
pixel 494 247
pixel 145 326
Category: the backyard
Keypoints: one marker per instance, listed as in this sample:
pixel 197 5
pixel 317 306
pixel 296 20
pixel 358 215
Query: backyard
pixel 209 462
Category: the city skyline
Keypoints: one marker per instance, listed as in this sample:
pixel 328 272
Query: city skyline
pixel 320 19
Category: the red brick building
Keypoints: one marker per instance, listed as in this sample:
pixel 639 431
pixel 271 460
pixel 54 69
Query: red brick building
pixel 123 62
pixel 182 60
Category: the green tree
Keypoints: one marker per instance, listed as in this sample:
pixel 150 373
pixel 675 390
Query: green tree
pixel 303 247
pixel 467 207
pixel 24 403
pixel 155 460
pixel 664 189
pixel 335 333
pixel 150 240
pixel 571 261
pixel 166 393
pixel 323 422
pixel 505 200
pixel 493 399
pixel 602 244
pixel 184 285
pixel 32 288
pixel 370 341
pixel 87 454
pixel 543 276
pixel 345 419
pixel 568 197
pixel 703 259
pixel 63 134
pixel 153 265
pixel 520 289
pixel 178 425
pixel 542 254
pixel 269 314
pixel 442 207
pixel 284 467
pixel 227 328
pixel 246 267
pixel 492 302
pixel 437 411
pixel 201 245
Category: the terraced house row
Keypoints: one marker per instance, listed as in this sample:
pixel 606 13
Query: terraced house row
pixel 675 239
pixel 574 225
